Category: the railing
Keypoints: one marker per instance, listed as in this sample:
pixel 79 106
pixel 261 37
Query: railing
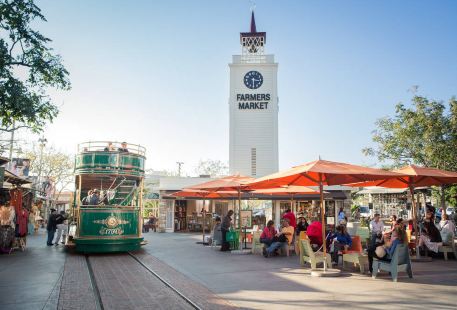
pixel 253 59
pixel 111 146
pixel 109 162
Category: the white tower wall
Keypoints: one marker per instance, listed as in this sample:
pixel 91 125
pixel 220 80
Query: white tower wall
pixel 253 130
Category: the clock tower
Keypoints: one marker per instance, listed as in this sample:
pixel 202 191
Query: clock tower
pixel 253 105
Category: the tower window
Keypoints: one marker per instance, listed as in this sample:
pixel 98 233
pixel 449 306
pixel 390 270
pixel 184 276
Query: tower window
pixel 253 161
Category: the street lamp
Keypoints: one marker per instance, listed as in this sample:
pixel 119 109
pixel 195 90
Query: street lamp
pixel 179 163
pixel 42 142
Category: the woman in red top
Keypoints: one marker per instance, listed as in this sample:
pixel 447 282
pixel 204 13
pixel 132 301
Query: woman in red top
pixel 314 233
pixel 268 233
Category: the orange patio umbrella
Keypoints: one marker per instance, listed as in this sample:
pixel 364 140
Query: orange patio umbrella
pixel 321 172
pixel 415 176
pixel 189 193
pixel 229 183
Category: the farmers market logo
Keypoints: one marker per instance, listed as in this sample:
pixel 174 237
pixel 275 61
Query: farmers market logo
pixel 112 224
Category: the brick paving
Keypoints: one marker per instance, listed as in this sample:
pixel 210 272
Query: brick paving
pixel 124 284
pixel 76 291
pixel 193 290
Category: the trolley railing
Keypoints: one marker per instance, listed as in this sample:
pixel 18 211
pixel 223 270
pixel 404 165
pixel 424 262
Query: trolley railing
pixel 111 146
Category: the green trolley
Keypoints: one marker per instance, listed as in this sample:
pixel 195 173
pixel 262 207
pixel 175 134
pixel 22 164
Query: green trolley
pixel 108 202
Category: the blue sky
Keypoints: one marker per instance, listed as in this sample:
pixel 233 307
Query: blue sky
pixel 156 72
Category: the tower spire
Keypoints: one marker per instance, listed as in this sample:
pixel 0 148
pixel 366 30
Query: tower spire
pixel 253 28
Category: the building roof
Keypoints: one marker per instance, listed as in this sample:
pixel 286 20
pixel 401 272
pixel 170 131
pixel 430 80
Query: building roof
pixel 382 190
pixel 178 183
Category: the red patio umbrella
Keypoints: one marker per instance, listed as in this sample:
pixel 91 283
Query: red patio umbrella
pixel 321 172
pixel 415 176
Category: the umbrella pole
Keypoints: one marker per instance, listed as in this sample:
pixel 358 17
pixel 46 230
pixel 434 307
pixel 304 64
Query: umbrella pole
pixel 324 243
pixel 411 190
pixel 239 215
pixel 203 222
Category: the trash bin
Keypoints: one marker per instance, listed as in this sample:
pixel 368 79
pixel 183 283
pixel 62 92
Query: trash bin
pixel 233 238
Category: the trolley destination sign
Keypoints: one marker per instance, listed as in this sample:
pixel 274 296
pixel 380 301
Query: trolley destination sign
pixel 253 101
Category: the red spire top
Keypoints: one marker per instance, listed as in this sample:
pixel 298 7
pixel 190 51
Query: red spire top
pixel 253 28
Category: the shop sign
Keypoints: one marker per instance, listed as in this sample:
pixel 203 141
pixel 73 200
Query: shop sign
pixel 246 218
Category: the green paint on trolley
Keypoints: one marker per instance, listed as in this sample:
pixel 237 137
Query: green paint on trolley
pixel 113 223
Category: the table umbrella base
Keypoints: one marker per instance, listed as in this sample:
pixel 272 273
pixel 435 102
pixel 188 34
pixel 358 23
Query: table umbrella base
pixel 241 252
pixel 319 272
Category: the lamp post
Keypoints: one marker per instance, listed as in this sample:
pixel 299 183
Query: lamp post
pixel 179 163
pixel 42 143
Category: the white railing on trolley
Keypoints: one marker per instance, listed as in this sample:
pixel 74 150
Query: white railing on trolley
pixel 100 146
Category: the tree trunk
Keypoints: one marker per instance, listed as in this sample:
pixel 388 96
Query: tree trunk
pixel 443 198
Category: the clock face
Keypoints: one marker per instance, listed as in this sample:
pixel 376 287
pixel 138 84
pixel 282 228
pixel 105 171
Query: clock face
pixel 253 79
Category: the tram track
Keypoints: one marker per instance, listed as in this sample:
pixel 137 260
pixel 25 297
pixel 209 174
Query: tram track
pixel 93 282
pixel 190 302
pixel 120 281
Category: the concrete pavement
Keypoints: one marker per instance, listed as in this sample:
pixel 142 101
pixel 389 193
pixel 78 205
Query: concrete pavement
pixel 31 279
pixel 253 282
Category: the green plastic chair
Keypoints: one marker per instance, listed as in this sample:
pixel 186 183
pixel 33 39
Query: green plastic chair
pixel 364 234
pixel 400 262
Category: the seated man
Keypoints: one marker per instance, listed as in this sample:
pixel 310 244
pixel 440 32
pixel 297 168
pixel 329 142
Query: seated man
pixel 282 239
pixel 95 198
pixel 123 147
pixel 341 241
pixel 110 147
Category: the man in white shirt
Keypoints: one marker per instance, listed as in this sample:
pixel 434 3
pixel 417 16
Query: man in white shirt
pixel 376 228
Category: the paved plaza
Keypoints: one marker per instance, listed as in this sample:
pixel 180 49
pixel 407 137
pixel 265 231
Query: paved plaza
pixel 254 282
pixel 51 278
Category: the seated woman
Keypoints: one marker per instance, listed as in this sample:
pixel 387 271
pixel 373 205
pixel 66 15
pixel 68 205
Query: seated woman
pixel 392 234
pixel 302 225
pixel 430 236
pixel 341 241
pixel 216 233
pixel 281 240
pixel 268 233
pixel 386 251
pixel 446 225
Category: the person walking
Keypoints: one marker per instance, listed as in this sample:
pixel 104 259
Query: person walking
pixel 225 226
pixel 51 226
pixel 61 227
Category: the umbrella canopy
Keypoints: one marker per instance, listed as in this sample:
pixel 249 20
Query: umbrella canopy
pixel 415 176
pixel 228 183
pixel 286 190
pixel 189 193
pixel 321 171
